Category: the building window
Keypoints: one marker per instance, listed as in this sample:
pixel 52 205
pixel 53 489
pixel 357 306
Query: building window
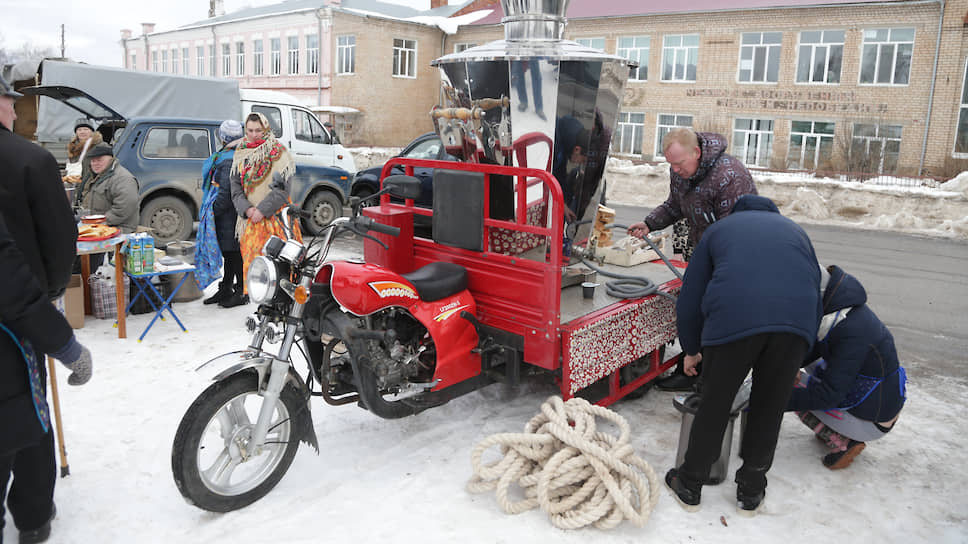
pixel 759 57
pixel 186 61
pixel 753 141
pixel 174 61
pixel 275 58
pixel 874 148
pixel 212 61
pixel 164 60
pixel 200 60
pixel 664 124
pixel 636 48
pixel 257 57
pixel 886 57
pixel 811 145
pixel 293 55
pixel 404 58
pixel 239 58
pixel 134 61
pixel 820 55
pixel 312 54
pixel 961 131
pixel 463 46
pixel 680 53
pixel 593 43
pixel 631 126
pixel 345 54
pixel 154 61
pixel 226 59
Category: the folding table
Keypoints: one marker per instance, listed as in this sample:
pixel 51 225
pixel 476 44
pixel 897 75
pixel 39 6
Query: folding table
pixel 143 283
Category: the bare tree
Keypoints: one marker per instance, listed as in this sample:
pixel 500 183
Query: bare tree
pixel 26 51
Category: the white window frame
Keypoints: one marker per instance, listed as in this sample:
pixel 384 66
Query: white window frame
pixel 460 47
pixel 154 60
pixel 275 56
pixel 405 58
pixel 240 58
pixel 678 121
pixel 629 131
pixel 164 61
pixel 258 47
pixel 880 46
pixel 812 50
pixel 770 52
pixel 312 54
pixel 186 61
pixel 678 52
pixel 880 139
pixel 212 60
pixel 134 60
pixel 200 59
pixel 637 50
pixel 759 136
pixel 226 59
pixel 345 55
pixel 820 137
pixel 962 115
pixel 292 55
pixel 174 60
pixel 592 43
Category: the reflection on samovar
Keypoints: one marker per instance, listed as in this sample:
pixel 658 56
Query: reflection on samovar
pixel 535 100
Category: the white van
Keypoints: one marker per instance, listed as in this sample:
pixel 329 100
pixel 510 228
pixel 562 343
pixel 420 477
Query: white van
pixel 297 128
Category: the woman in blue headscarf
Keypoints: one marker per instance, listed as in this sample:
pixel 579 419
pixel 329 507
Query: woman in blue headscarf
pixel 216 230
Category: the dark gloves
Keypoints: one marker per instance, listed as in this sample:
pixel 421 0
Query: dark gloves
pixel 77 359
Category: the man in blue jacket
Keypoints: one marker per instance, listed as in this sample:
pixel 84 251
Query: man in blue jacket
pixel 750 299
pixel 854 388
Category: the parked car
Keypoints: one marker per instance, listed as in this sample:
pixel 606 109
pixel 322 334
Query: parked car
pixel 166 154
pixel 427 146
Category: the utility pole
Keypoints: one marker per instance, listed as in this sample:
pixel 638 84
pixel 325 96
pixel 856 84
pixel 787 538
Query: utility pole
pixel 62 41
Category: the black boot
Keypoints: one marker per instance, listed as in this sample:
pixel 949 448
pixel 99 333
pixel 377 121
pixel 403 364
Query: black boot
pixel 238 298
pixel 224 292
pixel 747 502
pixel 687 495
pixel 678 381
pixel 40 534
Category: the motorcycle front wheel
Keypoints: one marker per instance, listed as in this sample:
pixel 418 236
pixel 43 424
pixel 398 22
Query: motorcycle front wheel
pixel 211 459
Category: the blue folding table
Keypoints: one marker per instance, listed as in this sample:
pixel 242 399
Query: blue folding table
pixel 143 283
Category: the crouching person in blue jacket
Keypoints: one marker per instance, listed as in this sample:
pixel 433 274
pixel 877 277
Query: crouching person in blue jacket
pixel 852 391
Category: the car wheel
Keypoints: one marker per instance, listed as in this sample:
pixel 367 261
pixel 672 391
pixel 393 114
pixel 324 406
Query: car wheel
pixel 322 207
pixel 169 218
pixel 365 193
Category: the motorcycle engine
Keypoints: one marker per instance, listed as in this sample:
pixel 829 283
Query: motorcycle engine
pixel 409 356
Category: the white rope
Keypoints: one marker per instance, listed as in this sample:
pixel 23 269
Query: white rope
pixel 576 474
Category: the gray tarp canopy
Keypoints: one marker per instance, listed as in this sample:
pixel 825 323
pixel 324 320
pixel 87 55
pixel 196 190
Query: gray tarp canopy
pixel 132 94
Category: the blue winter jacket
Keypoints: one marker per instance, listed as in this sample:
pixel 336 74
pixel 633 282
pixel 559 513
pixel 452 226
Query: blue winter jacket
pixel 753 272
pixel 861 372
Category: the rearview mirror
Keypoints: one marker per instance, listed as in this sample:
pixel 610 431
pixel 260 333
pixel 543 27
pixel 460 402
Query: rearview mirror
pixel 402 186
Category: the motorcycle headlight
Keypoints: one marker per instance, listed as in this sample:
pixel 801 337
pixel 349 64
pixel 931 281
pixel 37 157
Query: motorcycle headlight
pixel 263 279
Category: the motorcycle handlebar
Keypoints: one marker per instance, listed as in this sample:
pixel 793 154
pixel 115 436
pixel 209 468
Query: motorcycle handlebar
pixel 367 223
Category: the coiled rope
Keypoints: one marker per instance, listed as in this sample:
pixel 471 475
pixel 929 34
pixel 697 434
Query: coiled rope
pixel 575 473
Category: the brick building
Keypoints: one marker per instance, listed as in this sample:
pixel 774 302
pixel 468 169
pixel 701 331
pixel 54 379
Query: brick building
pixel 844 85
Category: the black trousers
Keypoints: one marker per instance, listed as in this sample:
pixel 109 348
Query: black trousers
pixel 31 495
pixel 232 273
pixel 774 359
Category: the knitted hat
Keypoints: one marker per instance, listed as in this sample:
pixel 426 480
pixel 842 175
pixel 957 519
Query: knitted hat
pixel 230 130
pixel 101 150
pixel 83 122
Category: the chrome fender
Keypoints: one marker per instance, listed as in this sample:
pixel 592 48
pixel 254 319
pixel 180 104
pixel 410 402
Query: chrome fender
pixel 242 360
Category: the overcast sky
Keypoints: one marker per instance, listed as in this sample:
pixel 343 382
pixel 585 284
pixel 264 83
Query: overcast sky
pixel 92 29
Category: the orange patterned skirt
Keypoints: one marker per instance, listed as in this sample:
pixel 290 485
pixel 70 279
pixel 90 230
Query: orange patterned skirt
pixel 256 235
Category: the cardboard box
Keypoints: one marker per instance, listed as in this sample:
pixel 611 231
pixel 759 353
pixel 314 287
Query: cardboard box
pixel 74 302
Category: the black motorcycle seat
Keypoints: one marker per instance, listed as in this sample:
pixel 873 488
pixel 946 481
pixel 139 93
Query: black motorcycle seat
pixel 438 280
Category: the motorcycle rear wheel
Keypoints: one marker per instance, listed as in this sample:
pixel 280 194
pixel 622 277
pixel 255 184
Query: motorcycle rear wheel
pixel 210 461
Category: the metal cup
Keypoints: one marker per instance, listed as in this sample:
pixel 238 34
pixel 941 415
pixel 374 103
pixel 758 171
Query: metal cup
pixel 588 289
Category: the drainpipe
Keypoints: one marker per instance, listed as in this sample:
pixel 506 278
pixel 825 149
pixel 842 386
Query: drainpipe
pixel 934 79
pixel 319 57
pixel 147 55
pixel 213 64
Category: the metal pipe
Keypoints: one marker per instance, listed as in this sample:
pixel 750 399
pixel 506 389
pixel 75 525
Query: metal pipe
pixel 934 79
pixel 319 57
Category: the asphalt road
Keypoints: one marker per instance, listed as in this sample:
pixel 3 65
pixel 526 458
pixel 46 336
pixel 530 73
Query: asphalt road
pixel 917 285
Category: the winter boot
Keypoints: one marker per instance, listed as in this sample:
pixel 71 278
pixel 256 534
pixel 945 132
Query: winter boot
pixel 748 503
pixel 238 298
pixel 224 292
pixel 678 381
pixel 40 534
pixel 842 459
pixel 687 495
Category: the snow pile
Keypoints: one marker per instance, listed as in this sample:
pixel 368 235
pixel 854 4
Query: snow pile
pixel 958 184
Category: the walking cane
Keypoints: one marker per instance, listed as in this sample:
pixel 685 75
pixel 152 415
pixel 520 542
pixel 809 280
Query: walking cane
pixel 65 468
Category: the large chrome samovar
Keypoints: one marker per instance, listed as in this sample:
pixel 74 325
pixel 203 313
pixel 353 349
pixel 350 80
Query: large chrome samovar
pixel 537 101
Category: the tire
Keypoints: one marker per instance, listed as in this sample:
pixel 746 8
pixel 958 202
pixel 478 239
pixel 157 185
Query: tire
pixel 322 206
pixel 201 432
pixel 170 219
pixel 364 193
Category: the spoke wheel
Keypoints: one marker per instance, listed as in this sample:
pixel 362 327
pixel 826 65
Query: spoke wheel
pixel 213 463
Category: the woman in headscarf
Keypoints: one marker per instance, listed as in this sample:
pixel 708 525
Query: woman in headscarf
pixel 261 175
pixel 84 139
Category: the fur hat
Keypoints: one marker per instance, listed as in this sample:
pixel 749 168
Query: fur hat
pixel 230 130
pixel 83 122
pixel 101 150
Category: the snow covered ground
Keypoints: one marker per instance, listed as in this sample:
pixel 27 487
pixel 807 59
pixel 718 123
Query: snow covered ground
pixel 403 481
